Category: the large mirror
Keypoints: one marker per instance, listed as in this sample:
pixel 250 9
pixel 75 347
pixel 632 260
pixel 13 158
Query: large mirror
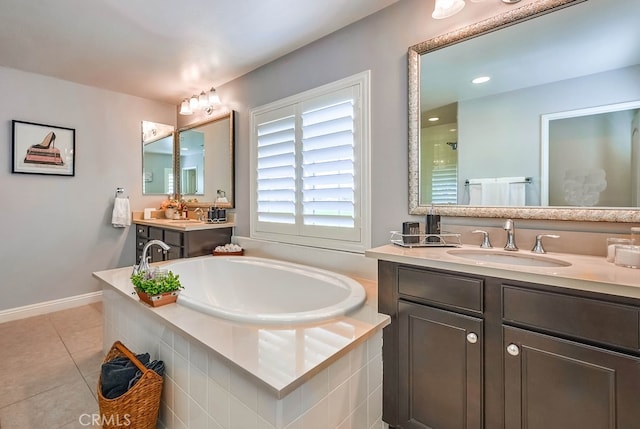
pixel 205 167
pixel 584 55
pixel 157 158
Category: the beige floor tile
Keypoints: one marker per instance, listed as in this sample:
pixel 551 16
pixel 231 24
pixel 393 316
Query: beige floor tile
pixel 54 408
pixel 49 373
pixel 86 339
pixel 88 360
pixel 76 319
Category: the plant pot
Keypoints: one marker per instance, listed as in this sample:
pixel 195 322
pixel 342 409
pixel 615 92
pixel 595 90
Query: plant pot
pixel 169 213
pixel 160 299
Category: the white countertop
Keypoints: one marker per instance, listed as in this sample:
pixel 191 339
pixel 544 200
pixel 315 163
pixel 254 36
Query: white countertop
pixel 589 273
pixel 183 224
pixel 240 343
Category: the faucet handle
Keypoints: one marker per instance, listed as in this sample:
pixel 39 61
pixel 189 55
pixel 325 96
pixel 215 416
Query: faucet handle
pixel 537 248
pixel 486 244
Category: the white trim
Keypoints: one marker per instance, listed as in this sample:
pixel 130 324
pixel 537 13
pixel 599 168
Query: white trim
pixel 544 136
pixel 49 306
pixel 363 186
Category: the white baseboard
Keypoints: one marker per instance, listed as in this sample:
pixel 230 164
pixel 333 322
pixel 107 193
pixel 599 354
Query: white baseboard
pixel 49 306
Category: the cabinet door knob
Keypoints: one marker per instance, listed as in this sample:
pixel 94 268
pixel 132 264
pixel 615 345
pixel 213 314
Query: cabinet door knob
pixel 472 338
pixel 513 350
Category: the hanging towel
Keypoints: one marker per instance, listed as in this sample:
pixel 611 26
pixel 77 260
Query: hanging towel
pixel 121 216
pixel 497 191
pixel 517 190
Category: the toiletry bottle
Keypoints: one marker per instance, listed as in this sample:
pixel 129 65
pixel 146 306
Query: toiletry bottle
pixel 432 225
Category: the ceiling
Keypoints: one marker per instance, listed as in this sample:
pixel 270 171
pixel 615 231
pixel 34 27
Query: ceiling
pixel 162 49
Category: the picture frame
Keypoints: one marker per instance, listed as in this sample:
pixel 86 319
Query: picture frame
pixel 43 149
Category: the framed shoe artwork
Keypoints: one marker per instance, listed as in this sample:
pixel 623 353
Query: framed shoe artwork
pixel 43 149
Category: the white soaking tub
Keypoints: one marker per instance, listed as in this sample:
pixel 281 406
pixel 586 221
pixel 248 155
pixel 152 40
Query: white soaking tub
pixel 264 291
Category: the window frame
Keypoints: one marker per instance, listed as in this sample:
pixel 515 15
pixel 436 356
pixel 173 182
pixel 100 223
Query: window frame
pixel 362 167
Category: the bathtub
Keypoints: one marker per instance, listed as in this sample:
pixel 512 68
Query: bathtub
pixel 264 291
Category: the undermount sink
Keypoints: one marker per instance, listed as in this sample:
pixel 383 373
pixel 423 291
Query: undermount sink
pixel 509 258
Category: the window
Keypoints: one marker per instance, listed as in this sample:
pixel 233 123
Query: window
pixel 310 167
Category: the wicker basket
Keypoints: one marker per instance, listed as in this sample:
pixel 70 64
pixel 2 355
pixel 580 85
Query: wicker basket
pixel 138 407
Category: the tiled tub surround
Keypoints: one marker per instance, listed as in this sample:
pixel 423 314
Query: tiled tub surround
pixel 229 375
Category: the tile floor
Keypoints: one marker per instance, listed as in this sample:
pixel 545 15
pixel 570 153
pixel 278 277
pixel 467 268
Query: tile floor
pixel 49 368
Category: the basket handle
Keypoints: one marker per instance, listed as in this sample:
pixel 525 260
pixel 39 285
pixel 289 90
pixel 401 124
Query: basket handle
pixel 131 356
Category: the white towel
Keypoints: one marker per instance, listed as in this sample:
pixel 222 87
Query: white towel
pixel 121 216
pixel 497 191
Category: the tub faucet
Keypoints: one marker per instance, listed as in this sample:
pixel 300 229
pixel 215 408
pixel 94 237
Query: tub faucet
pixel 510 227
pixel 144 259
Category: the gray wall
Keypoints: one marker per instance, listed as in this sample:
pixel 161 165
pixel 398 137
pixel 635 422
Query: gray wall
pixel 57 230
pixel 378 43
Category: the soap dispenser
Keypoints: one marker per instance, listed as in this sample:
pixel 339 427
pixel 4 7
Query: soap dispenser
pixel 432 225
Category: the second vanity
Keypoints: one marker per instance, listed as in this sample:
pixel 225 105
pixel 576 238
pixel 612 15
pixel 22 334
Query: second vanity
pixel 476 343
pixel 187 237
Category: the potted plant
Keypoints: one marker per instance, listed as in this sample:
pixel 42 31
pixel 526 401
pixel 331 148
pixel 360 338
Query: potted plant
pixel 157 287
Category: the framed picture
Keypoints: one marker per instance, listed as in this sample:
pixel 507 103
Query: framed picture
pixel 43 149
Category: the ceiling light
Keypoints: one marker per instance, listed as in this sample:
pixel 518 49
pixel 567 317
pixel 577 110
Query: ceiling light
pixel 446 8
pixel 481 79
pixel 206 101
pixel 434 119
pixel 193 103
pixel 214 98
pixel 185 109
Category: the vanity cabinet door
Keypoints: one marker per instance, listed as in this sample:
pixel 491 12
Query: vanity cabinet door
pixel 552 383
pixel 440 368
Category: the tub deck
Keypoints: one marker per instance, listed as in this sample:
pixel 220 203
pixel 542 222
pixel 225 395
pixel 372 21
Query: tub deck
pixel 280 357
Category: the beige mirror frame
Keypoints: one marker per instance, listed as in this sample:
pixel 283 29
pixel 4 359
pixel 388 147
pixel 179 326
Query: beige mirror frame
pixel 512 17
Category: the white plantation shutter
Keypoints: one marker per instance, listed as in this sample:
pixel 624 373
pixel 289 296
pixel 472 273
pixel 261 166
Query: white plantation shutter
pixel 276 170
pixel 311 169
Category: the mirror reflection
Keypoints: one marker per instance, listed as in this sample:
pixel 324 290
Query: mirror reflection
pixel 157 158
pixel 206 161
pixel 579 57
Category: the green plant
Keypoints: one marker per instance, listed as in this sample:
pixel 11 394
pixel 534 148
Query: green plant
pixel 156 282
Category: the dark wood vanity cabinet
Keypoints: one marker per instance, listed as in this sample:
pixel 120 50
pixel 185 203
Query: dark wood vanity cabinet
pixel 184 244
pixel 466 351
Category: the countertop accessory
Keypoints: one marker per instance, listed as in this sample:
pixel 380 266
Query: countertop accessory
pixel 486 244
pixel 426 240
pixel 627 256
pixel 410 232
pixel 612 242
pixel 229 249
pixel 537 248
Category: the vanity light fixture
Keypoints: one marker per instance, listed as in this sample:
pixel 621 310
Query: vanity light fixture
pixel 446 8
pixel 481 79
pixel 206 101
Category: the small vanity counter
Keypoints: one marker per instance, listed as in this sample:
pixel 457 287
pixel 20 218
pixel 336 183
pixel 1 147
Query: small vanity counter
pixel 183 224
pixel 187 237
pixel 589 273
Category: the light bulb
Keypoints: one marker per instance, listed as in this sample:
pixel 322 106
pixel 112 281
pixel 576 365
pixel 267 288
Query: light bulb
pixel 185 109
pixel 214 99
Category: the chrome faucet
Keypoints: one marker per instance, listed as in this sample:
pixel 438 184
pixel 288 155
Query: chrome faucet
pixel 537 248
pixel 510 227
pixel 144 259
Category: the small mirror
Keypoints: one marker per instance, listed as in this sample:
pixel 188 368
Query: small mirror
pixel 206 161
pixel 157 158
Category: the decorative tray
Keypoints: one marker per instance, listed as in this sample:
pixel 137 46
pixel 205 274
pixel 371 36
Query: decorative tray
pixel 425 240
